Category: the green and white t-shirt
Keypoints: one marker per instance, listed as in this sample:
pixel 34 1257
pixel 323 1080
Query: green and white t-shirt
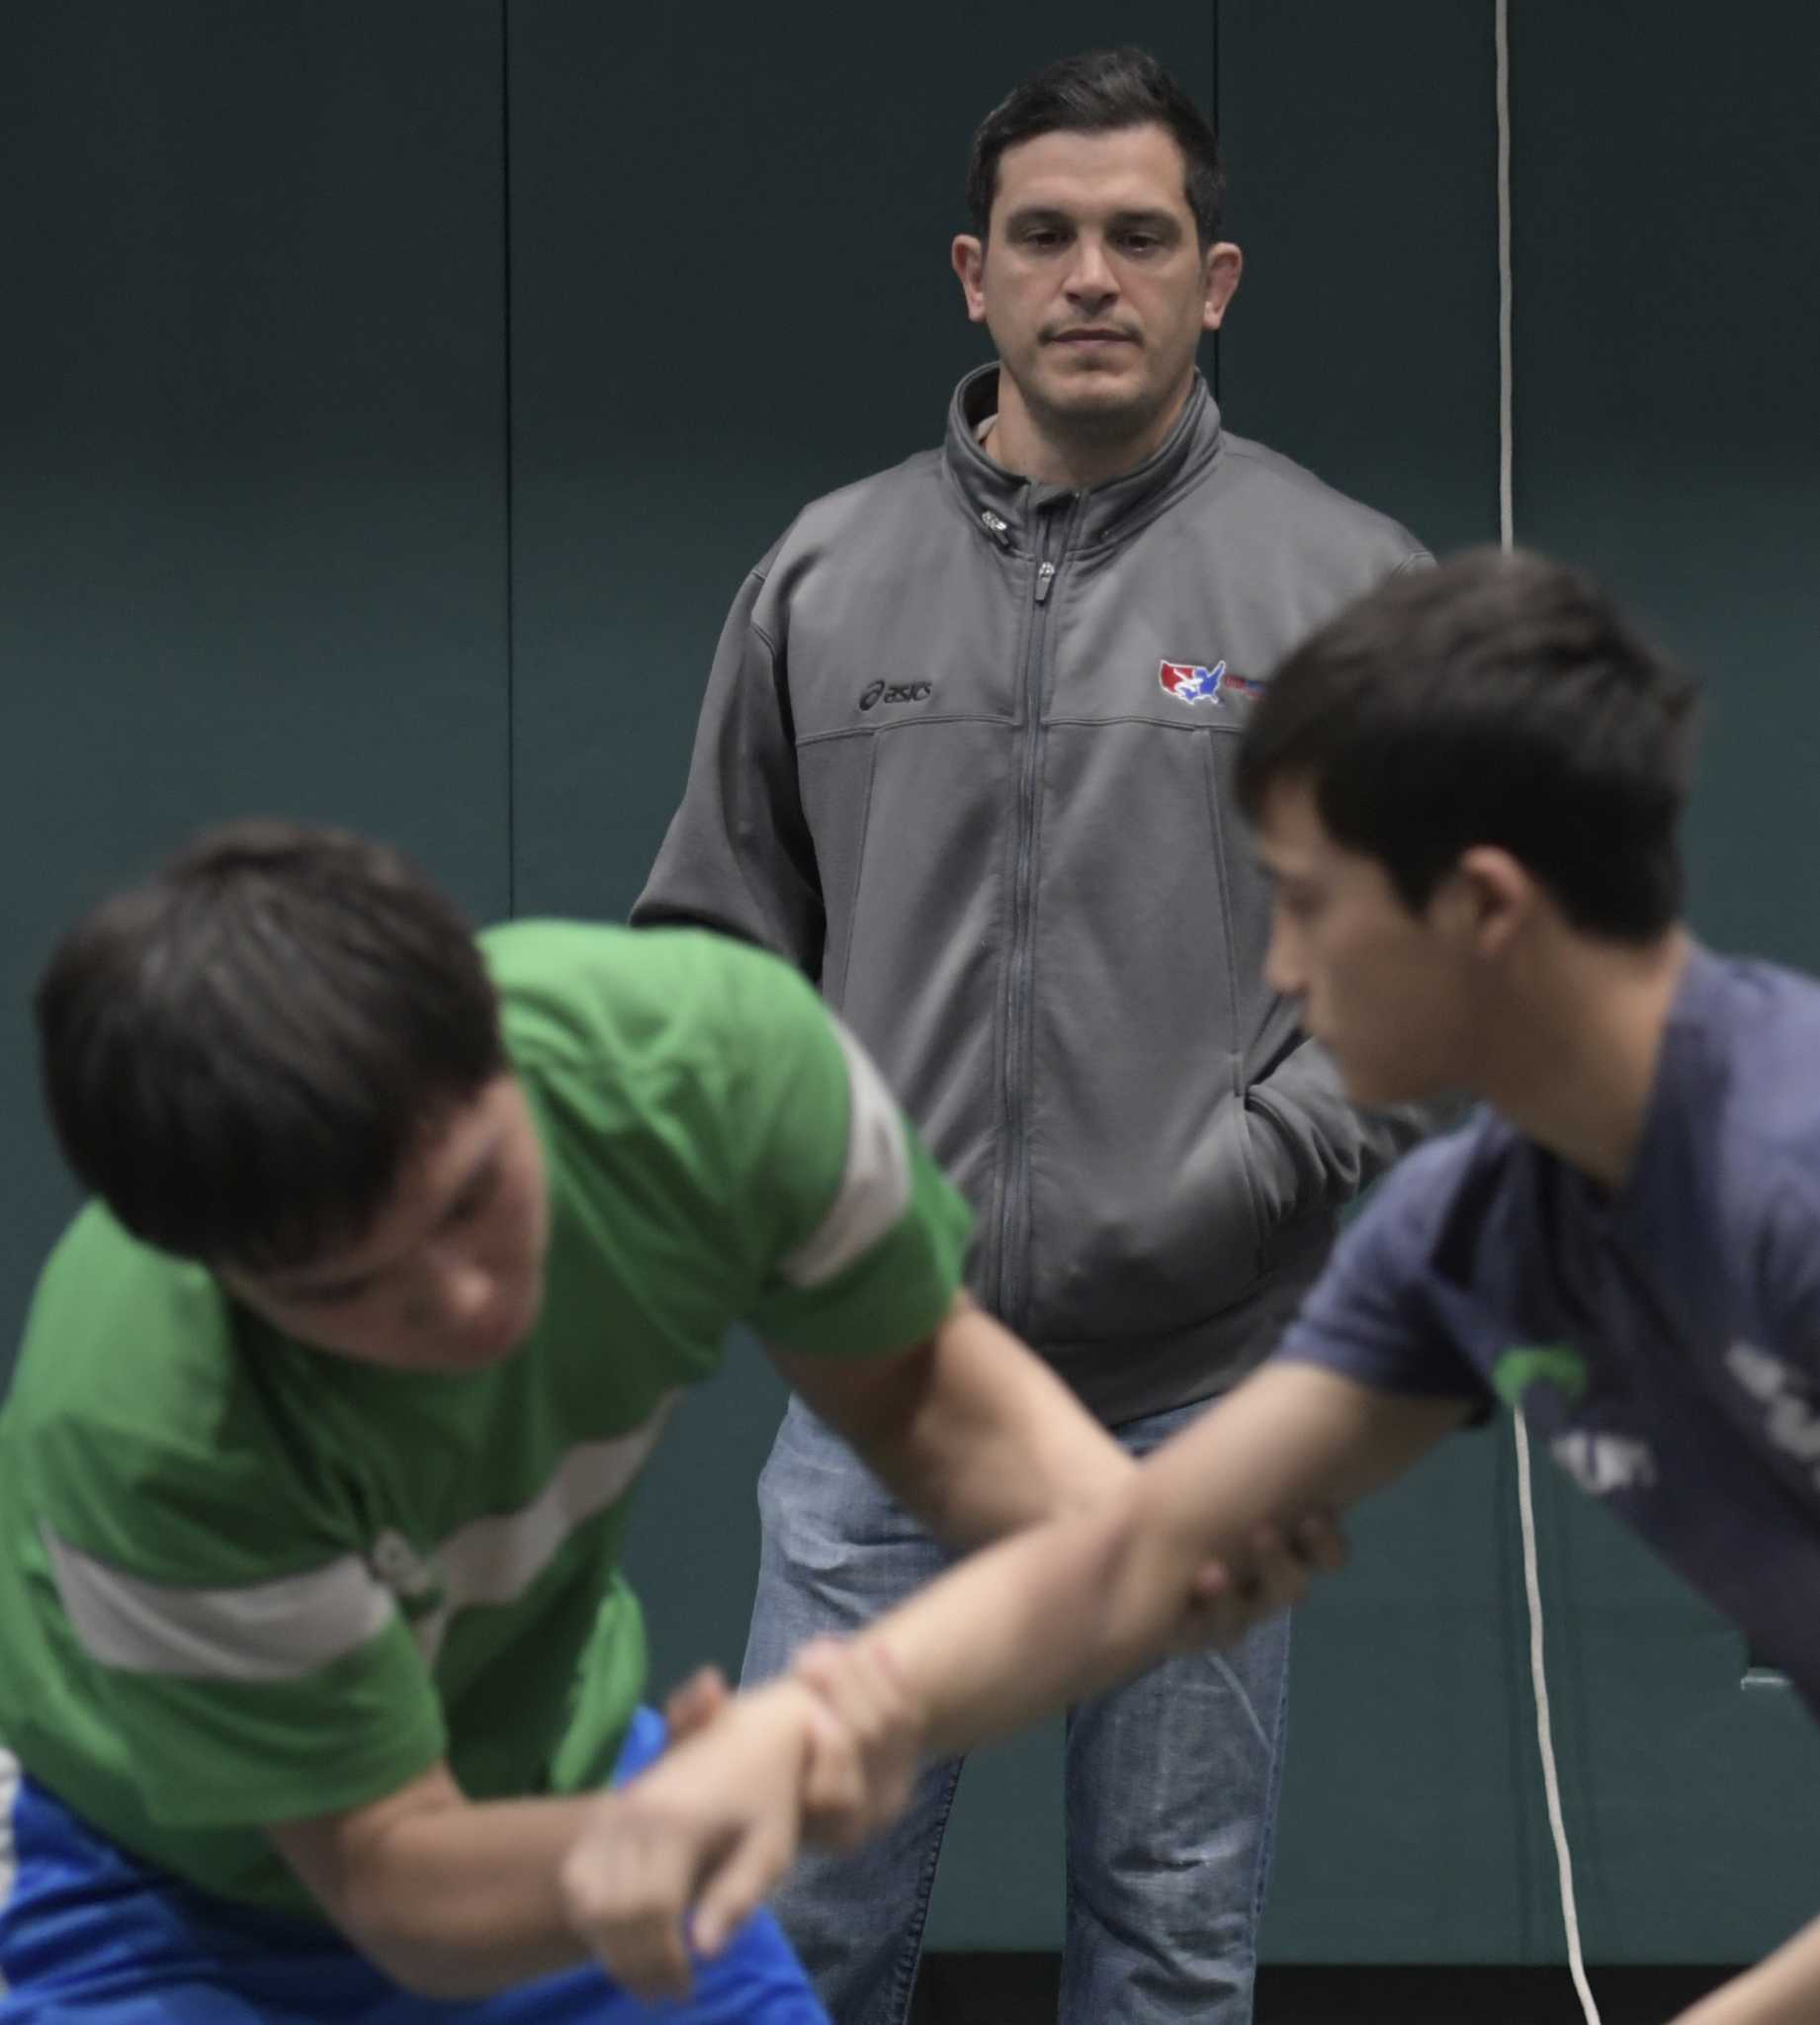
pixel 242 1580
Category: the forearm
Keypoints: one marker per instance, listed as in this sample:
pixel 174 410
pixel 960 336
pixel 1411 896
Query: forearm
pixel 1015 1631
pixel 991 1440
pixel 1065 1609
pixel 1782 1989
pixel 455 1898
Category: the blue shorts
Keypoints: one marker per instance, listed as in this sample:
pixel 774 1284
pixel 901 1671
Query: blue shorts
pixel 91 1936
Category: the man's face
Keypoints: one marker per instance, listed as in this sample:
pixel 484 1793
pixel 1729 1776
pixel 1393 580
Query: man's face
pixel 1388 991
pixel 450 1276
pixel 1091 281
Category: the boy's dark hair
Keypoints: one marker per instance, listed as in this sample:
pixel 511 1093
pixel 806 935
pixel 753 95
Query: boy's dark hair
pixel 1100 92
pixel 238 1055
pixel 1499 700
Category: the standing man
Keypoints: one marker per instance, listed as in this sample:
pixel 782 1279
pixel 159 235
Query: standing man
pixel 965 758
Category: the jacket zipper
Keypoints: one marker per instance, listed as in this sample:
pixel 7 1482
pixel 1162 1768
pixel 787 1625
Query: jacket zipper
pixel 1014 1199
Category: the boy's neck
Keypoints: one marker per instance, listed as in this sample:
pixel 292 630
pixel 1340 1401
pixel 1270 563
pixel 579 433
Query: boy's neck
pixel 1578 1068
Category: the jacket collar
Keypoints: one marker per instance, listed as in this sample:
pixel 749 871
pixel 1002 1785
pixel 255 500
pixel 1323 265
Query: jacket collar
pixel 987 488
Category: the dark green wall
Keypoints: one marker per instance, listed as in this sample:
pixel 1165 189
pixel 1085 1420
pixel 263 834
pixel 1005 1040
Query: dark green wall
pixel 252 523
pixel 395 397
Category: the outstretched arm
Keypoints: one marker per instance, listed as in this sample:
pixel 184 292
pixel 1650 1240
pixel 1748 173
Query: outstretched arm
pixel 1047 1616
pixel 1058 1613
pixel 1782 1989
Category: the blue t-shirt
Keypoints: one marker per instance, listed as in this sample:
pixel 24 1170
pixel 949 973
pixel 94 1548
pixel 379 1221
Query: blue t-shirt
pixel 1664 1340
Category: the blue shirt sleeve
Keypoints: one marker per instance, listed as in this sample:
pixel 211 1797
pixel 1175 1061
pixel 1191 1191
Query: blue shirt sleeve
pixel 1377 1315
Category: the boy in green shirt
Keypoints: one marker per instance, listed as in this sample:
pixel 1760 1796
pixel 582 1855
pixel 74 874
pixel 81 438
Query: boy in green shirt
pixel 314 1469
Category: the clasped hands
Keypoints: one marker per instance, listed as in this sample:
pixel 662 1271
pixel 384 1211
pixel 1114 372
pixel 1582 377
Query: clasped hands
pixel 673 1863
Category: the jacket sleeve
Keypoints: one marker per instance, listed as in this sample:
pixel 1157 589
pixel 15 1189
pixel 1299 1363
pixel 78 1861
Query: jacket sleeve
pixel 738 855
pixel 1311 1149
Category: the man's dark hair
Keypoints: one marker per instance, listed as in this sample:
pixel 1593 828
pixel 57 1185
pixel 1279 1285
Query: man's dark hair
pixel 239 1054
pixel 1099 93
pixel 1499 700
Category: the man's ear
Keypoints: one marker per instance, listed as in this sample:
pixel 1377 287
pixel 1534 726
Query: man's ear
pixel 968 256
pixel 1224 264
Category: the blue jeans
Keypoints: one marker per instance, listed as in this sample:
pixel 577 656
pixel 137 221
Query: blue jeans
pixel 89 1935
pixel 1172 1780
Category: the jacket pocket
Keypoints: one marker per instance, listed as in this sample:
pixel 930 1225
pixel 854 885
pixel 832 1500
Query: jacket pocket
pixel 1144 1215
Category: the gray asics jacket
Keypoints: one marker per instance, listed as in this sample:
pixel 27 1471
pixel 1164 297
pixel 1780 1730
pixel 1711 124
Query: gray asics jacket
pixel 966 757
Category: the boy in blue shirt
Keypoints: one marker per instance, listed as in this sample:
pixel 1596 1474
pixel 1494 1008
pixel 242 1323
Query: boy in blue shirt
pixel 1466 791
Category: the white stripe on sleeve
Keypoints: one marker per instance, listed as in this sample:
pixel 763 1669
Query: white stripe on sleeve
pixel 494 1560
pixel 875 1185
pixel 9 1855
pixel 276 1630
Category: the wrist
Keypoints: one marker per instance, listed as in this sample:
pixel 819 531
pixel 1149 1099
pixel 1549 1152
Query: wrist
pixel 862 1685
pixel 864 1766
pixel 791 1705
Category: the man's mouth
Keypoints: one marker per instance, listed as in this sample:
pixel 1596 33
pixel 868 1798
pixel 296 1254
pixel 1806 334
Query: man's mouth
pixel 1092 335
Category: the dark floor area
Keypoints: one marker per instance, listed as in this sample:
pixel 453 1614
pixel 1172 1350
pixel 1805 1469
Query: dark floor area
pixel 1020 1990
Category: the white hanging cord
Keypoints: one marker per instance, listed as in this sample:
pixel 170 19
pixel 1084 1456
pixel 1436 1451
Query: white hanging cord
pixel 1544 1729
pixel 1525 1497
pixel 1507 508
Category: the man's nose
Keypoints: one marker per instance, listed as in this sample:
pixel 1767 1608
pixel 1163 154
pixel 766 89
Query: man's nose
pixel 1091 277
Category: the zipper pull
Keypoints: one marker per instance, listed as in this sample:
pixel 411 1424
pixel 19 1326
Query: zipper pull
pixel 999 530
pixel 1044 576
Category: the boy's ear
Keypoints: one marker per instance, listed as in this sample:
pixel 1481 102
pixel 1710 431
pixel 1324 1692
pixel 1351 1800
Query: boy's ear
pixel 1486 901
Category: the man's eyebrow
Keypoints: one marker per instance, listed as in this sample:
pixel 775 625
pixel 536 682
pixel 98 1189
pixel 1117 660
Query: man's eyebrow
pixel 1154 220
pixel 1027 214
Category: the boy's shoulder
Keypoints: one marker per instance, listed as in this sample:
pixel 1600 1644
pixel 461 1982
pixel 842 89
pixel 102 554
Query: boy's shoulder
pixel 565 958
pixel 686 1040
pixel 130 1387
pixel 1746 1129
pixel 1435 1185
pixel 1739 1078
pixel 114 1321
pixel 1761 1021
pixel 639 993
